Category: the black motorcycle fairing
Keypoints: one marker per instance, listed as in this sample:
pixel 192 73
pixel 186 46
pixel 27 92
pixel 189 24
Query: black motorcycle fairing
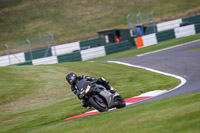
pixel 98 98
pixel 82 84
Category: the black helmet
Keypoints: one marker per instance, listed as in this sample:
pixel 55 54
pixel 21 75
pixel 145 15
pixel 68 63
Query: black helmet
pixel 71 78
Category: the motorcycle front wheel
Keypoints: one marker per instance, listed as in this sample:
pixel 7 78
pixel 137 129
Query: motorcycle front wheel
pixel 121 102
pixel 100 106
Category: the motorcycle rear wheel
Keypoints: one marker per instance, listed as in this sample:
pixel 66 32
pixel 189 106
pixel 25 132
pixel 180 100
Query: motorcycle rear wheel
pixel 101 107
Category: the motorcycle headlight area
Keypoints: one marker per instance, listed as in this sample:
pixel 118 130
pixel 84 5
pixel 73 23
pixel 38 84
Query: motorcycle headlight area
pixel 87 89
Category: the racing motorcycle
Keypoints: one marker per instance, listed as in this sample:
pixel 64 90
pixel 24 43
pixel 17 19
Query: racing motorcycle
pixel 97 96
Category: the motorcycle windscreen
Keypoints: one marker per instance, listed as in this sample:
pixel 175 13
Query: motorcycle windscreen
pixel 82 84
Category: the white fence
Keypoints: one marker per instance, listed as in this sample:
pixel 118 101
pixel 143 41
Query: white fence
pixel 93 53
pixel 169 25
pixel 46 60
pixel 184 31
pixel 149 39
pixel 12 59
pixel 65 48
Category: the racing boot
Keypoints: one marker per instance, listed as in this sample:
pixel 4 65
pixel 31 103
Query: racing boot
pixel 85 105
pixel 112 90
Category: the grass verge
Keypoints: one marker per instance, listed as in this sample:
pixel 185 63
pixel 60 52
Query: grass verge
pixel 37 98
pixel 177 114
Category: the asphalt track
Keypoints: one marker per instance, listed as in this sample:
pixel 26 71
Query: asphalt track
pixel 183 61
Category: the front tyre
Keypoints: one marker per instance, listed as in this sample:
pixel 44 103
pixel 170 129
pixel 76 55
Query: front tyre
pixel 100 106
pixel 121 102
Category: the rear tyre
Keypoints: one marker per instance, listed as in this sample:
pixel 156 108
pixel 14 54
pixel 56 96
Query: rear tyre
pixel 121 102
pixel 100 106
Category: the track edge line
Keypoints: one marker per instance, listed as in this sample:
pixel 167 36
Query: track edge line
pixel 183 80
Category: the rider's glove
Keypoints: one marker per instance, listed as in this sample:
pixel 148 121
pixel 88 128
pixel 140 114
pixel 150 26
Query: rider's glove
pixel 82 76
pixel 93 84
pixel 77 92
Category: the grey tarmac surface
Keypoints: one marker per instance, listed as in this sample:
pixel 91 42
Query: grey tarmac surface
pixel 182 61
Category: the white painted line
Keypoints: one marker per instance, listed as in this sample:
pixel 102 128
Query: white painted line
pixel 153 93
pixel 108 110
pixel 128 104
pixel 168 48
pixel 92 111
pixel 183 81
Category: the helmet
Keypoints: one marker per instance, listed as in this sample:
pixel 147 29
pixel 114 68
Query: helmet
pixel 71 78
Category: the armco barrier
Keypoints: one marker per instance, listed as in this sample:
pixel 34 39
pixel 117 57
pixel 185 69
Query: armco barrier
pixel 4 60
pixel 146 40
pixel 93 53
pixel 14 59
pixel 117 47
pixel 65 48
pixel 92 42
pixel 192 20
pixel 75 56
pixel 149 30
pixel 38 53
pixel 149 39
pixel 139 42
pixel 24 63
pixel 184 31
pixel 197 28
pixel 168 25
pixel 165 35
pixel 46 60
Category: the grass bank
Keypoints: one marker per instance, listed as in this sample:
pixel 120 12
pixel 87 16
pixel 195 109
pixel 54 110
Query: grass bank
pixel 77 20
pixel 37 98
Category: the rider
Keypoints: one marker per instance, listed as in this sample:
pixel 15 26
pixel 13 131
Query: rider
pixel 72 79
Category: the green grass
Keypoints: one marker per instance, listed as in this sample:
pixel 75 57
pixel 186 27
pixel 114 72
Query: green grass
pixel 78 20
pixel 161 45
pixel 37 98
pixel 177 114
